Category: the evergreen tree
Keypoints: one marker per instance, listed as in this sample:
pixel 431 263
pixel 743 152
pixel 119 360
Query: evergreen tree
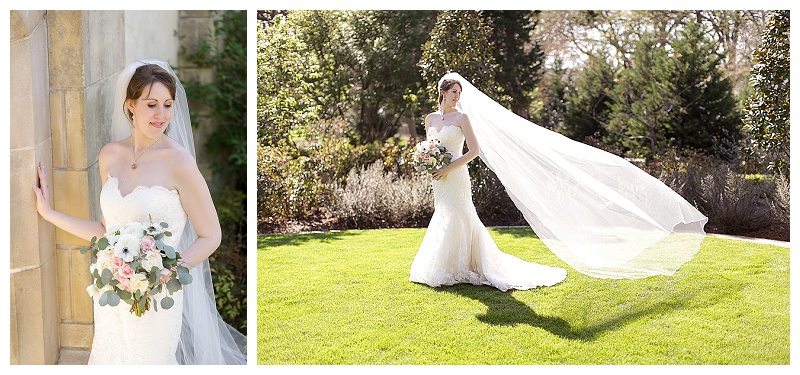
pixel 643 99
pixel 707 117
pixel 518 56
pixel 767 111
pixel 554 98
pixel 588 104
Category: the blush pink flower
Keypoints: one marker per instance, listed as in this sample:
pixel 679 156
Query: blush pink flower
pixel 148 244
pixel 117 262
pixel 124 284
pixel 126 271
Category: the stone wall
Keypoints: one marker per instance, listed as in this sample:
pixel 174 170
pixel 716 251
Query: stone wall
pixel 33 282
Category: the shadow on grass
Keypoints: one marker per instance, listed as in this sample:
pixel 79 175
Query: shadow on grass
pixel 505 310
pixel 272 240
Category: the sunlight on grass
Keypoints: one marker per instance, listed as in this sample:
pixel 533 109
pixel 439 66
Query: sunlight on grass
pixel 345 298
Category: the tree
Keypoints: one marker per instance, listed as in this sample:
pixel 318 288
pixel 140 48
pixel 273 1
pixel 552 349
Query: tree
pixel 387 77
pixel 767 111
pixel 519 58
pixel 642 100
pixel 588 104
pixel 707 118
pixel 554 91
pixel 287 97
pixel 460 43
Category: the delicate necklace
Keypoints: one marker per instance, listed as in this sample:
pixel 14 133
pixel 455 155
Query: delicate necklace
pixel 444 113
pixel 133 166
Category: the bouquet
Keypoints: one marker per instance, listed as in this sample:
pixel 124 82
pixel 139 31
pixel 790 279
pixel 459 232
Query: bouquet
pixel 430 155
pixel 133 265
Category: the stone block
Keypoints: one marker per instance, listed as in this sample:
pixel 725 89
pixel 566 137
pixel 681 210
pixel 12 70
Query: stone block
pixel 24 22
pixel 30 318
pixel 58 129
pixel 63 285
pixel 99 108
pixel 40 87
pixel 75 121
pixel 73 357
pixel 104 33
pixel 19 29
pixel 143 27
pixel 28 229
pixel 13 332
pixel 70 196
pixel 66 49
pixel 82 308
pixel 22 117
pixel 77 336
pixel 195 14
pixel 49 295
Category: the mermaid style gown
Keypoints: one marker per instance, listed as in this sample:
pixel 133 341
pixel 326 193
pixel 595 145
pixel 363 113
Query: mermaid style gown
pixel 120 337
pixel 457 248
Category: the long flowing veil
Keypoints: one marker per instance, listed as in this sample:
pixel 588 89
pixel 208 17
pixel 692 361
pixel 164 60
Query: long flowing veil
pixel 597 212
pixel 205 337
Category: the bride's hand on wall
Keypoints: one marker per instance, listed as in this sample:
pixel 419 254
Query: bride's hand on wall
pixel 42 194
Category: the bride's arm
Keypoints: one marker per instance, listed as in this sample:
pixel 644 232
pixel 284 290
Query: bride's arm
pixel 82 228
pixel 196 201
pixel 472 145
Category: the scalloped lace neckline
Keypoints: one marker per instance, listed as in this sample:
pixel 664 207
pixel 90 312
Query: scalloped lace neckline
pixel 123 196
pixel 443 128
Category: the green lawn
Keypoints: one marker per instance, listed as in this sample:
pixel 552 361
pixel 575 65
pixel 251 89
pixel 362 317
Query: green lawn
pixel 345 298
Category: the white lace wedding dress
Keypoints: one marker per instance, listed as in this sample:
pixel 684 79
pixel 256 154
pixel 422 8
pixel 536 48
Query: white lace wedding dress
pixel 457 248
pixel 120 337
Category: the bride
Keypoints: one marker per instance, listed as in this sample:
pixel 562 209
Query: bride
pixel 598 213
pixel 149 170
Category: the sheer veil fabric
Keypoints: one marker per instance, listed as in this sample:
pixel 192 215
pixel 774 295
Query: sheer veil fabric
pixel 597 212
pixel 205 337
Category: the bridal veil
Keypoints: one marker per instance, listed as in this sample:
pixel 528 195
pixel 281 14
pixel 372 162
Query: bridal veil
pixel 597 212
pixel 205 337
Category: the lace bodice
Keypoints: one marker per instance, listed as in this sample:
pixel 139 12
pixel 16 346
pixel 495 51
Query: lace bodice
pixel 451 137
pixel 142 203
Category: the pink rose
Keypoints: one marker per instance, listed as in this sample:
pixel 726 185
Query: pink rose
pixel 148 244
pixel 126 271
pixel 124 284
pixel 117 262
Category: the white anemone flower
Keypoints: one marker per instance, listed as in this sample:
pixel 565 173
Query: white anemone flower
pixel 127 247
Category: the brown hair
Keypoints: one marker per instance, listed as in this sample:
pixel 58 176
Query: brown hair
pixel 144 77
pixel 447 84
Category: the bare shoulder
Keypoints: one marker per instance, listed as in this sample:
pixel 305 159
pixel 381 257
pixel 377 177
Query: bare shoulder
pixel 181 163
pixel 462 119
pixel 111 155
pixel 428 117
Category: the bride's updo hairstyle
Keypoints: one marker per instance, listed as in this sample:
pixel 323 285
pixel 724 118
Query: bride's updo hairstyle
pixel 447 84
pixel 142 79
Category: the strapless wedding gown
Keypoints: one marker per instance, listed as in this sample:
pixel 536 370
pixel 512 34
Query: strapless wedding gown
pixel 120 337
pixel 457 248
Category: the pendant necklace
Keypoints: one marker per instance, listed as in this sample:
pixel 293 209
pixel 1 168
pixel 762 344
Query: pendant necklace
pixel 133 166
